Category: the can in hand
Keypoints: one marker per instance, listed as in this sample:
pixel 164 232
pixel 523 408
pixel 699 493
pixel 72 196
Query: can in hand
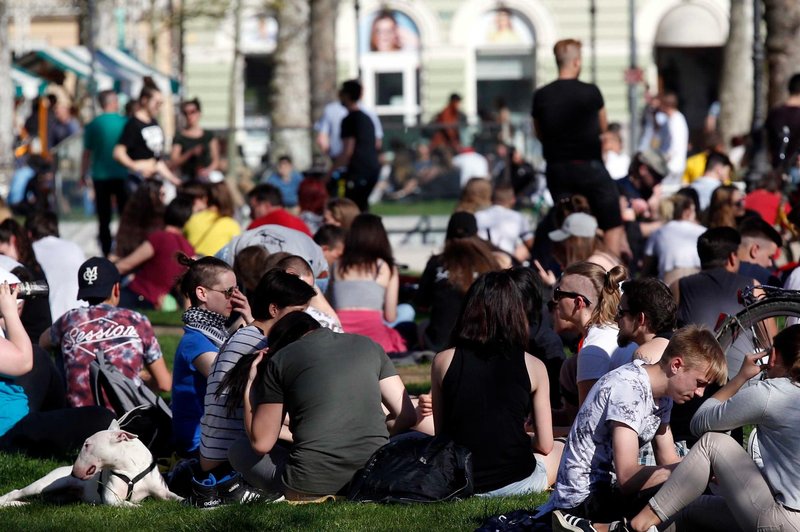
pixel 32 289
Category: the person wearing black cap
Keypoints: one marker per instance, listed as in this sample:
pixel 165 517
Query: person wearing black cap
pixel 125 336
pixel 448 276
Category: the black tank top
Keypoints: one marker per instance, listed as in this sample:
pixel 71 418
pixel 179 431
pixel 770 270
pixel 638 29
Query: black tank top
pixel 487 397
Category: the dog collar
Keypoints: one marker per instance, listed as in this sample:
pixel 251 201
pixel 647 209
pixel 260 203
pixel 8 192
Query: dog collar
pixel 130 482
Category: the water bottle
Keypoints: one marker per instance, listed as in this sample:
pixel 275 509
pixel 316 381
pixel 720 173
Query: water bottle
pixel 31 290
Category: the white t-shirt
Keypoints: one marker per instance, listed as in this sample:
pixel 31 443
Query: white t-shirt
pixel 624 396
pixel 471 165
pixel 617 164
pixel 599 346
pixel 675 245
pixel 504 227
pixel 60 259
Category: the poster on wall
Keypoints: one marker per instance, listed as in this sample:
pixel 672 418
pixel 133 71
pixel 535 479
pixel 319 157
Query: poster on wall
pixel 503 26
pixel 388 31
pixel 259 33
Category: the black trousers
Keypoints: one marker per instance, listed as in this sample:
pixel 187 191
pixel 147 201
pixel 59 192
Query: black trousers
pixel 51 428
pixel 104 189
pixel 590 179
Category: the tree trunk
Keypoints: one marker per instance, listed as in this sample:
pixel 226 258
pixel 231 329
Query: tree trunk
pixel 291 86
pixel 6 100
pixel 323 55
pixel 736 85
pixel 783 46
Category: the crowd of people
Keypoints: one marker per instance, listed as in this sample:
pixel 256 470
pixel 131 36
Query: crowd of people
pixel 284 382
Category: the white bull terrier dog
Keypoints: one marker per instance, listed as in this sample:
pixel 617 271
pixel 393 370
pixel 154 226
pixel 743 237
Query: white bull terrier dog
pixel 113 467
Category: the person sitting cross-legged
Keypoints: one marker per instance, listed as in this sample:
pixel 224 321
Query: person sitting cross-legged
pixel 626 408
pixel 332 386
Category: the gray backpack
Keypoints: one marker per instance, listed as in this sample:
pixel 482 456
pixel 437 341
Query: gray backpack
pixel 144 413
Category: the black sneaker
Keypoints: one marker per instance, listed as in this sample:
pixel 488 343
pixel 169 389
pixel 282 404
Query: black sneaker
pixel 569 523
pixel 204 494
pixel 234 490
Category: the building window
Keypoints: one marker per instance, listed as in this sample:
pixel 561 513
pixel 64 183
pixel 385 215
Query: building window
pixel 389 60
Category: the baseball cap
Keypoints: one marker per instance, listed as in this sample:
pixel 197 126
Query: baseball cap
pixel 96 277
pixel 576 224
pixel 654 161
pixel 461 225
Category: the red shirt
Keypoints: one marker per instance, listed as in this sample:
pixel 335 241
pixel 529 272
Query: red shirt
pixel 281 217
pixel 765 203
pixel 157 276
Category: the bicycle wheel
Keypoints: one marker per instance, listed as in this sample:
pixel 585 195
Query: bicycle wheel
pixel 754 327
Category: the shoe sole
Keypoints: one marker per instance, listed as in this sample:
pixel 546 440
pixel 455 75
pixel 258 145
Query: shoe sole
pixel 560 524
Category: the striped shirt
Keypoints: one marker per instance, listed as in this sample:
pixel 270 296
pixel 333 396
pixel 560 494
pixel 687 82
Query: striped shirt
pixel 219 430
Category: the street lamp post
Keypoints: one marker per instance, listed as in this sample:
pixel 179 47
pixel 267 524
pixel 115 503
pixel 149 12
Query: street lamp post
pixel 358 37
pixel 593 38
pixel 633 103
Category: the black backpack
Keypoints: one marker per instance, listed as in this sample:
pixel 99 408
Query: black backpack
pixel 410 470
pixel 139 409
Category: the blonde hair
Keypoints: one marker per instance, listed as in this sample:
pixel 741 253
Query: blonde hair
pixel 698 348
pixel 477 195
pixel 607 287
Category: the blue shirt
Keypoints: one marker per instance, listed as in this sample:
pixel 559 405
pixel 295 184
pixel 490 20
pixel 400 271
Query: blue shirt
pixel 13 405
pixel 189 389
pixel 288 189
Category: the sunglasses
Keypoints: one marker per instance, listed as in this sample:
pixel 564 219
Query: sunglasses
pixel 621 312
pixel 559 294
pixel 228 292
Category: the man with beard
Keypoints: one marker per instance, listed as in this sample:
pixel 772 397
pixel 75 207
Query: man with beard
pixel 646 316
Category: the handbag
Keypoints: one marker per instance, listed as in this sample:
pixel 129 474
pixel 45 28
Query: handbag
pixel 415 469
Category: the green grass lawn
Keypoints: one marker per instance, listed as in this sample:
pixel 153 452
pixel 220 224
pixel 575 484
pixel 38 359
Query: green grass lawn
pixel 417 208
pixel 17 471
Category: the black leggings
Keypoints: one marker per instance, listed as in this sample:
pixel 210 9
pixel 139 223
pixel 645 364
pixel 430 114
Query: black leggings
pixel 50 428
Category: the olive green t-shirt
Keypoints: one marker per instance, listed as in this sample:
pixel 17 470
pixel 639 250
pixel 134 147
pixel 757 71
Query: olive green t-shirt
pixel 328 384
pixel 99 137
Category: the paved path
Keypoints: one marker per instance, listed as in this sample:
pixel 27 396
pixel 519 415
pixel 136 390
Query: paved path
pixel 410 249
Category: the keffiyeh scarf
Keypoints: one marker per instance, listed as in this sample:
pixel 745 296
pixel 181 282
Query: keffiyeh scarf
pixel 208 323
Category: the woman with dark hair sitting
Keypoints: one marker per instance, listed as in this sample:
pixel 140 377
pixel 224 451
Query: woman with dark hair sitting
pixel 448 276
pixel 277 294
pixel 332 386
pixel 487 388
pixel 155 260
pixel 365 286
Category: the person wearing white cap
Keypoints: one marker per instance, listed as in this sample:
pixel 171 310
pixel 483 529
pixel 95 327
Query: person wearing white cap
pixel 578 240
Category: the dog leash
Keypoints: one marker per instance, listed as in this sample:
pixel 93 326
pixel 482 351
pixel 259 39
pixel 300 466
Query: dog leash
pixel 127 480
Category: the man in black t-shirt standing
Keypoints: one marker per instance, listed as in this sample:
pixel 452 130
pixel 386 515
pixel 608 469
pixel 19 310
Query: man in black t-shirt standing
pixel 569 116
pixel 359 150
pixel 783 129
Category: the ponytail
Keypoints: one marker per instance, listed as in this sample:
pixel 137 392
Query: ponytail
pixel 606 286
